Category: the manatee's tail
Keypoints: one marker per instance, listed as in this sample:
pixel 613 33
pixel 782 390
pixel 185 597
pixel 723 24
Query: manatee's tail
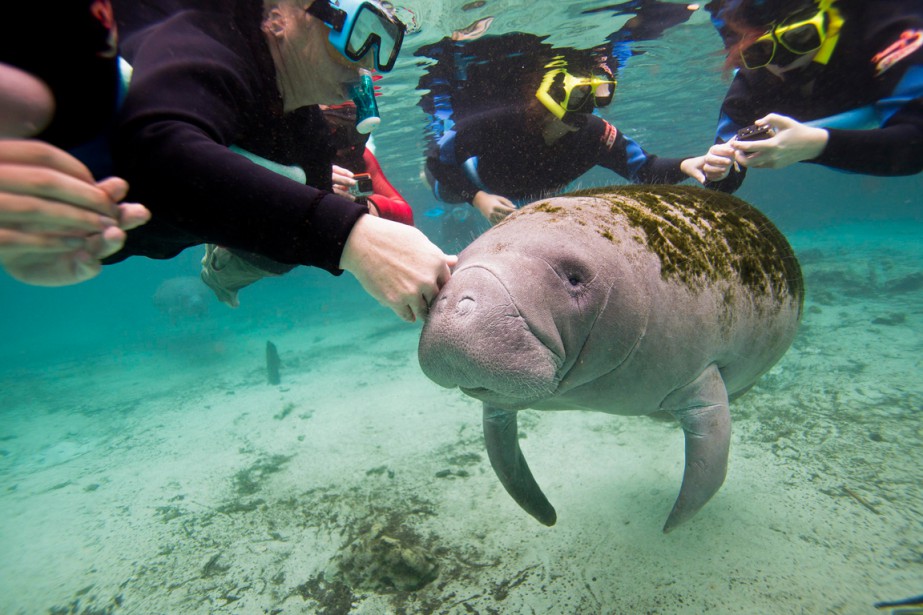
pixel 501 437
pixel 702 409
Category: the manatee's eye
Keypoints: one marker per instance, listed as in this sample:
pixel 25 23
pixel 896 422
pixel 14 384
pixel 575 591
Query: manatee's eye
pixel 574 275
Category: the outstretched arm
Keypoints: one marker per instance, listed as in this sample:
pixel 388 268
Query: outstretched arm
pixel 626 157
pixel 714 166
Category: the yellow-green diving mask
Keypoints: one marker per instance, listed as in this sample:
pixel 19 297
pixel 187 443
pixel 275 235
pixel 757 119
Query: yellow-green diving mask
pixel 816 28
pixel 563 93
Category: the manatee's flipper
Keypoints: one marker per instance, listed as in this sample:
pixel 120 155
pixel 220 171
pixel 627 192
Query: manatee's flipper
pixel 501 438
pixel 702 410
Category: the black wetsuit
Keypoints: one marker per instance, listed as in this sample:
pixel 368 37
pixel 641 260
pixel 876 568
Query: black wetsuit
pixel 503 152
pixel 853 79
pixel 76 57
pixel 204 81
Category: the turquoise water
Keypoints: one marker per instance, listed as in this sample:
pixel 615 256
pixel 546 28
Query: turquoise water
pixel 146 467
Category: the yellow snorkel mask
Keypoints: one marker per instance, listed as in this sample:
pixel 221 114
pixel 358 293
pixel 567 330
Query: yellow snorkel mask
pixel 816 29
pixel 564 94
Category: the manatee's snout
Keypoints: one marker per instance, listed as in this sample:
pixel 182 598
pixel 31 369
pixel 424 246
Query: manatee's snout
pixel 476 338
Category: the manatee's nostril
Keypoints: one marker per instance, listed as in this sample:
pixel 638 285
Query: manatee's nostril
pixel 465 305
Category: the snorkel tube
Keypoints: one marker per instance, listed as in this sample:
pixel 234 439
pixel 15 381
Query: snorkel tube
pixel 358 28
pixel 363 95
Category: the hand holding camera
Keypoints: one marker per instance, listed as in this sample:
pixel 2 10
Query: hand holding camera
pixel 355 186
pixel 755 132
pixel 351 185
pixel 363 185
pixel 791 142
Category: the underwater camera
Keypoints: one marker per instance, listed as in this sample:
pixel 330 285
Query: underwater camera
pixel 755 133
pixel 363 185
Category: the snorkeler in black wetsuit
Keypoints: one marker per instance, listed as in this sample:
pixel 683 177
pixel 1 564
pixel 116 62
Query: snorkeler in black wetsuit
pixel 538 147
pixel 851 96
pixel 506 153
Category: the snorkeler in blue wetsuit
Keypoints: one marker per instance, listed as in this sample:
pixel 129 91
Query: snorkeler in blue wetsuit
pixel 834 82
pixel 525 151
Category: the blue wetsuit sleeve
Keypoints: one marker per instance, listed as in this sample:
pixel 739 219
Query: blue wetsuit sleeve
pixel 894 149
pixel 895 35
pixel 623 155
pixel 446 171
pixel 735 105
pixel 727 128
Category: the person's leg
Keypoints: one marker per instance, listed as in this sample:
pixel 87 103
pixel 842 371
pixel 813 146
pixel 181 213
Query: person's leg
pixel 227 271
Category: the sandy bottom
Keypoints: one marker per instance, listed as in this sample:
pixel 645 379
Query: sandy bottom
pixel 174 482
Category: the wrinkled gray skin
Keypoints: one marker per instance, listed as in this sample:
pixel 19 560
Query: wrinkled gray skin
pixel 182 297
pixel 571 304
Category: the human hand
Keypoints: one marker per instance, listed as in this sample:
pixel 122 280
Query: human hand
pixel 397 265
pixel 343 181
pixel 493 206
pixel 56 222
pixel 26 103
pixel 713 166
pixel 791 142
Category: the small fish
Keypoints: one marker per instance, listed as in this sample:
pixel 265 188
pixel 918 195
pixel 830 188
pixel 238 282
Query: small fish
pixel 474 5
pixel 434 212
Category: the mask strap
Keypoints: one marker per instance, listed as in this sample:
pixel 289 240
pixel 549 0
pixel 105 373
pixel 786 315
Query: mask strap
pixel 333 17
pixel 833 36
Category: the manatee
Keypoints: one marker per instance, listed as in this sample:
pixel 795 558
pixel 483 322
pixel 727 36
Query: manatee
pixel 182 297
pixel 630 300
